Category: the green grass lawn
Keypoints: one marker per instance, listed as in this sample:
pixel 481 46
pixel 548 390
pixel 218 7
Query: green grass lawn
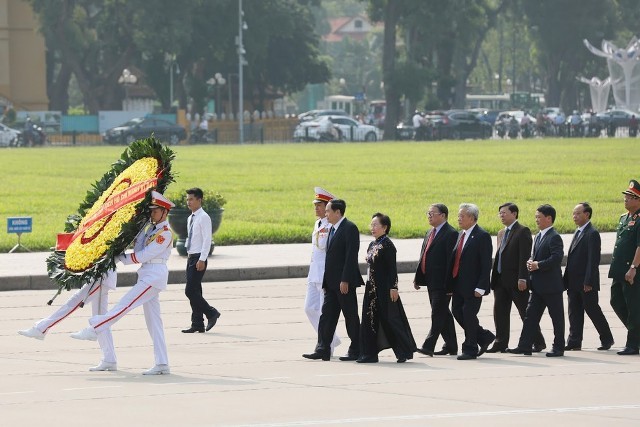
pixel 269 188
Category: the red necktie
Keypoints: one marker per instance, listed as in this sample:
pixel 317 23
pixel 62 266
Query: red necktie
pixel 423 263
pixel 456 263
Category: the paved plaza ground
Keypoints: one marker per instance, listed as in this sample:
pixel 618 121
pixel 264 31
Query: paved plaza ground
pixel 248 371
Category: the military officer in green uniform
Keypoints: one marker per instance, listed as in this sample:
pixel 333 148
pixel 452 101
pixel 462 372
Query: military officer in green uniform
pixel 625 287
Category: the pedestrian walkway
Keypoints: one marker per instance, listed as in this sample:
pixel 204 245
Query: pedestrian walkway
pixel 20 271
pixel 249 371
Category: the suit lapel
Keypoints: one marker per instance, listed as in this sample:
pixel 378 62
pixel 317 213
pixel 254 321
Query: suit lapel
pixel 542 239
pixel 574 243
pixel 468 240
pixel 337 233
pixel 514 229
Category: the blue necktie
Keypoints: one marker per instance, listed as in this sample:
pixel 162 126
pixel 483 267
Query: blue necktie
pixel 331 233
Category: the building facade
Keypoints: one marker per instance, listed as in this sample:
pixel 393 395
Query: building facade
pixel 22 58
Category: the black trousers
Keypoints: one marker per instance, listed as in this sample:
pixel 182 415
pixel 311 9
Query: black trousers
pixel 465 311
pixel 554 302
pixel 334 303
pixel 441 322
pixel 199 306
pixel 503 296
pixel 579 303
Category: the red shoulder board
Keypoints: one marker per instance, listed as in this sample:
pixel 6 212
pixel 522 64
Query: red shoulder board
pixel 160 239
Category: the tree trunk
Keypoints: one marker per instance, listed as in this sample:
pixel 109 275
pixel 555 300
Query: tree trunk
pixel 391 93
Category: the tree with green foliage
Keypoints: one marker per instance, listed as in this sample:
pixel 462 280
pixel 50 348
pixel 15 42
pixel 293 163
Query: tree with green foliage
pixel 95 40
pixel 560 26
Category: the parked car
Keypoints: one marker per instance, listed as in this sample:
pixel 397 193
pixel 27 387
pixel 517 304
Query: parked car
pixel 9 137
pixel 617 117
pixel 462 124
pixel 489 116
pixel 430 131
pixel 348 129
pixel 143 127
pixel 315 114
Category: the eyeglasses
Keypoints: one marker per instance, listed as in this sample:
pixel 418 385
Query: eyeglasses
pixel 430 213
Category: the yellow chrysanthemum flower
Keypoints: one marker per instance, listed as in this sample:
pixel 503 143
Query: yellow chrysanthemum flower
pixel 91 244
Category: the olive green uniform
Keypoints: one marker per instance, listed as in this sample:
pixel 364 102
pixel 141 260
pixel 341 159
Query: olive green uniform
pixel 625 297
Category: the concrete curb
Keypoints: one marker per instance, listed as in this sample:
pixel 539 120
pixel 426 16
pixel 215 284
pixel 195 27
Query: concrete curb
pixel 128 278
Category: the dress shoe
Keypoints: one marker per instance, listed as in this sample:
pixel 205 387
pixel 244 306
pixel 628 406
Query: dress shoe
pixel 158 370
pixel 192 330
pixel 212 320
pixel 606 346
pixel 519 350
pixel 573 347
pixel 88 334
pixel 367 359
pixel 497 349
pixel 628 351
pixel 555 353
pixel 445 352
pixel 316 356
pixel 486 343
pixel 537 348
pixel 104 366
pixel 32 333
pixel 465 356
pixel 348 358
pixel 401 360
pixel 425 352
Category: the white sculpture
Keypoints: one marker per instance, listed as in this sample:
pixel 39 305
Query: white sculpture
pixel 599 90
pixel 625 76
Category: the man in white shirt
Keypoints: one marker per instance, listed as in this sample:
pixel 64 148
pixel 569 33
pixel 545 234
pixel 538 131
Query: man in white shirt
pixel 198 246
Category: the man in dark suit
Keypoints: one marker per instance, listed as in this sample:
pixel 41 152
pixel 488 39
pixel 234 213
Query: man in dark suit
pixel 582 281
pixel 509 277
pixel 468 280
pixel 341 278
pixel 625 287
pixel 545 278
pixel 435 258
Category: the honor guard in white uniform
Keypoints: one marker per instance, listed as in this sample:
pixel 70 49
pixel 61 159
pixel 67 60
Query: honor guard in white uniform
pixel 315 294
pixel 97 293
pixel 152 249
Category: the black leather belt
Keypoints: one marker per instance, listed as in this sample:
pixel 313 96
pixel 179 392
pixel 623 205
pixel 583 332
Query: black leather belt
pixel 194 255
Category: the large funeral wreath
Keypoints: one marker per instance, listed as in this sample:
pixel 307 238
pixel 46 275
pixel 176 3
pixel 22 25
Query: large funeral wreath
pixel 111 215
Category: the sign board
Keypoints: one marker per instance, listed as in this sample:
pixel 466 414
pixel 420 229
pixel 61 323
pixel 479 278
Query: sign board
pixel 359 97
pixel 19 224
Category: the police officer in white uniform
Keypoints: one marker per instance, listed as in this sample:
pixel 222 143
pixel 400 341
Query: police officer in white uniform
pixel 315 294
pixel 152 249
pixel 97 293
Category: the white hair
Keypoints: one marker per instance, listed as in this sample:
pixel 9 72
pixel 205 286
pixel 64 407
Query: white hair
pixel 470 209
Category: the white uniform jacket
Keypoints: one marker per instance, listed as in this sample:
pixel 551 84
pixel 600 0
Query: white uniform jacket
pixel 152 249
pixel 318 251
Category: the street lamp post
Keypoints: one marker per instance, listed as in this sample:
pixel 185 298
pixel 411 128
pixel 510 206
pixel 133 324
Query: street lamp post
pixel 217 81
pixel 173 64
pixel 241 63
pixel 126 79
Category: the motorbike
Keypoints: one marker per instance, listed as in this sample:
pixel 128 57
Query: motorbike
pixel 514 130
pixel 527 130
pixel 501 129
pixel 33 135
pixel 201 136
